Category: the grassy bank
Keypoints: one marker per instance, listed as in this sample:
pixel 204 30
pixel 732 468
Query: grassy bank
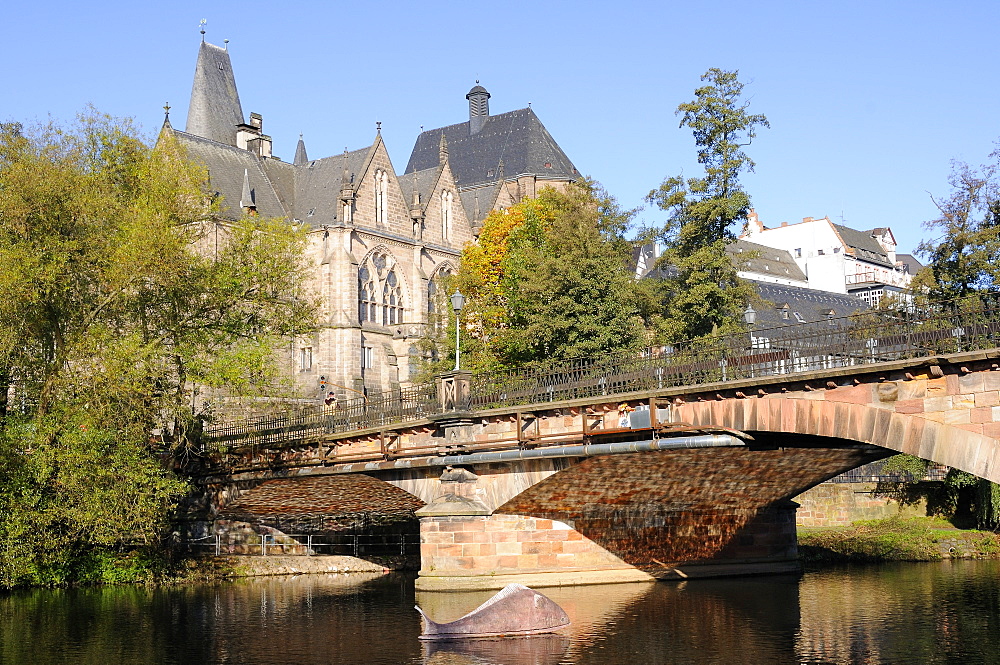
pixel 896 539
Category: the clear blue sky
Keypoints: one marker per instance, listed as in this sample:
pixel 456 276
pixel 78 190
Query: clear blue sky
pixel 868 101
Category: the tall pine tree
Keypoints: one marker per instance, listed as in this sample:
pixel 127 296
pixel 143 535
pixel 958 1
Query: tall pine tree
pixel 703 293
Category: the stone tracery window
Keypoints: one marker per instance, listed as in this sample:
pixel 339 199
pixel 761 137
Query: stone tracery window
pixel 367 306
pixel 436 296
pixel 380 290
pixel 392 300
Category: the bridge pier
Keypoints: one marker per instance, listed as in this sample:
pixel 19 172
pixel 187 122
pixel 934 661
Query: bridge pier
pixel 624 518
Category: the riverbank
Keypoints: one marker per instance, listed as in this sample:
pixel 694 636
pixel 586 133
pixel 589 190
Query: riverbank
pixel 895 539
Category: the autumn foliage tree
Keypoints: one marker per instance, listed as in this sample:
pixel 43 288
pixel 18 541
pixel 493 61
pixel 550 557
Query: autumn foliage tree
pixel 549 279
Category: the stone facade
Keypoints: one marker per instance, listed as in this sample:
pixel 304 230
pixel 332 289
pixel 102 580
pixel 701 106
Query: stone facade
pixel 377 240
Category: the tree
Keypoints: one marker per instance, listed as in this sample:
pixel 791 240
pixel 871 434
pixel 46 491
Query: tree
pixel 113 310
pixel 703 293
pixel 965 261
pixel 965 257
pixel 549 279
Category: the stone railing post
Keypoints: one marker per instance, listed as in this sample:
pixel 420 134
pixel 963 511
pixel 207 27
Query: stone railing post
pixel 454 391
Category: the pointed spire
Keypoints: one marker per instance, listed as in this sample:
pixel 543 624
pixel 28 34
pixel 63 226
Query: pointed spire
pixel 346 178
pixel 442 149
pixel 301 159
pixel 247 197
pixel 166 117
pixel 215 108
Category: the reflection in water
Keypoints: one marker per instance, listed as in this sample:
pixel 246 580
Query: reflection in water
pixel 947 612
pixel 532 650
pixel 909 613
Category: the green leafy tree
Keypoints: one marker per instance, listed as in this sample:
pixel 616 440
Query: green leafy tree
pixel 114 308
pixel 963 261
pixel 549 279
pixel 703 293
pixel 964 257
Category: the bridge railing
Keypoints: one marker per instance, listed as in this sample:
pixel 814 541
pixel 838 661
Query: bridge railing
pixel 861 339
pixel 870 337
pixel 397 406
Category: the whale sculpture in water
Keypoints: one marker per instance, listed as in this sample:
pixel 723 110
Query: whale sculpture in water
pixel 514 610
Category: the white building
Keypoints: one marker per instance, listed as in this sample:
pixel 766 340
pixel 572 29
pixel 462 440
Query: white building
pixel 837 258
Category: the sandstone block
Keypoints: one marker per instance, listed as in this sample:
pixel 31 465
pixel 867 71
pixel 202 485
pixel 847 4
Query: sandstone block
pixel 974 382
pixel 939 403
pixel 988 398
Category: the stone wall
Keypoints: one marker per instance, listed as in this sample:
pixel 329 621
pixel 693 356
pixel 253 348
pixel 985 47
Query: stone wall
pixel 839 504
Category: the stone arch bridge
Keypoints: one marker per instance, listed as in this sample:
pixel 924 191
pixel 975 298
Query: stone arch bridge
pixel 672 465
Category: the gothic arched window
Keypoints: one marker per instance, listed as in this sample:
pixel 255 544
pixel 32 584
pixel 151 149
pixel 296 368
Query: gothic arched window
pixel 367 306
pixel 437 307
pixel 392 300
pixel 380 290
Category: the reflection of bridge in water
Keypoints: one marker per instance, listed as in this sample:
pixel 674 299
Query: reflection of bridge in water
pixel 675 463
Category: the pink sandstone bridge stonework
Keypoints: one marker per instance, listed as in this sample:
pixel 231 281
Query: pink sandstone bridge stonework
pixel 551 494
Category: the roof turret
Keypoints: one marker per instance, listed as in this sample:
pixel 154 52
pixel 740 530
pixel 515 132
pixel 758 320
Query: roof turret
pixel 215 109
pixel 479 107
pixel 301 159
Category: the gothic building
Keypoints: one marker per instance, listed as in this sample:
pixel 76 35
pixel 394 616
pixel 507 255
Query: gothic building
pixel 378 241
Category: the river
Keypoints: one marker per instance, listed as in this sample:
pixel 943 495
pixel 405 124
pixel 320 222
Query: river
pixel 946 612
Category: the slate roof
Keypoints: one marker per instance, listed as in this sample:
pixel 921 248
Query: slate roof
pixel 478 202
pixel 910 263
pixel 516 137
pixel 318 184
pixel 768 260
pixel 226 165
pixel 215 107
pixel 865 246
pixel 813 306
pixel 422 181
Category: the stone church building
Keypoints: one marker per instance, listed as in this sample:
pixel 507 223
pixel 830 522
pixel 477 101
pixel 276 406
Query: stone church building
pixel 379 241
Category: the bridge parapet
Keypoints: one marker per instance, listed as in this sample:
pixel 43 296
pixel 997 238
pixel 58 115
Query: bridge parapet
pixel 729 362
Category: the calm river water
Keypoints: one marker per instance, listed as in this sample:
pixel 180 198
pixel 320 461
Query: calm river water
pixel 913 613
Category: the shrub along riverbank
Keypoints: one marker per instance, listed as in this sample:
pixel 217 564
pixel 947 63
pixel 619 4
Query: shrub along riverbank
pixel 896 539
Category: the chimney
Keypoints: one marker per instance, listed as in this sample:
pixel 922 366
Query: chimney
pixel 479 108
pixel 248 136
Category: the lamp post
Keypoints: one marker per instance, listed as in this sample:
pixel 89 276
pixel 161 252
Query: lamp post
pixel 457 302
pixel 750 318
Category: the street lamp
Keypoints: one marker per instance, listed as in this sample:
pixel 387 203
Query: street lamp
pixel 457 302
pixel 750 315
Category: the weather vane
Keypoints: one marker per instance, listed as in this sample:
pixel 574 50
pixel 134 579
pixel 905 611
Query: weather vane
pixel 201 24
pixel 166 110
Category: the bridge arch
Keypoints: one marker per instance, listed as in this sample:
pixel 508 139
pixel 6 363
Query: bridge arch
pixel 883 426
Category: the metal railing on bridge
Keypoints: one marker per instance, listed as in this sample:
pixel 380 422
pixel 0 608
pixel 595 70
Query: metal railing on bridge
pixel 861 339
pixel 356 545
pixel 398 406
